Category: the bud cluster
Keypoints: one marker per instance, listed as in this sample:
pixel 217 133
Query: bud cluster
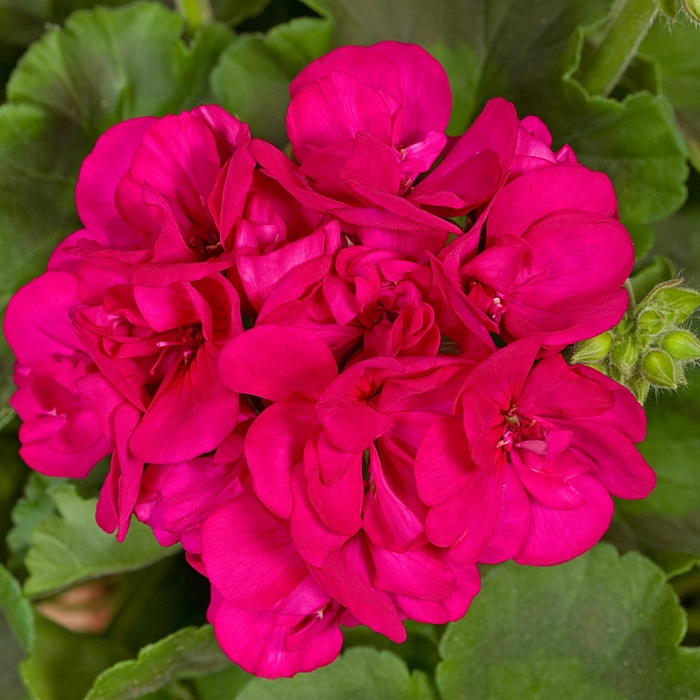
pixel 649 347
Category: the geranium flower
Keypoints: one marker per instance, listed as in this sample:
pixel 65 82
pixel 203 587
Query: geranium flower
pixel 528 465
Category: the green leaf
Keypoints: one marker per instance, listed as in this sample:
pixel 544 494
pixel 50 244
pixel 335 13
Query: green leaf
pixel 188 653
pixel 253 76
pixel 599 626
pixel 636 143
pixel 70 547
pixel 359 674
pixel 463 70
pixel 419 651
pixel 224 685
pixel 666 525
pixel 16 635
pixel 105 66
pixel 29 511
pixel 16 609
pixel 233 12
pixel 679 238
pixel 675 47
pixel 64 664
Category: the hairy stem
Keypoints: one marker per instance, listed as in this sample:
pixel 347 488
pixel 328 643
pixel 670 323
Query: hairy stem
pixel 196 12
pixel 630 21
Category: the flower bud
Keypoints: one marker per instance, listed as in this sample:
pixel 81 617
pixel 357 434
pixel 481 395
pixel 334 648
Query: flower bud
pixel 593 349
pixel 692 8
pixel 640 388
pixel 658 369
pixel 673 302
pixel 624 354
pixel 650 322
pixel 681 345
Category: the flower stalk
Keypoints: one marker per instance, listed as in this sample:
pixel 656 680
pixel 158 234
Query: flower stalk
pixel 629 23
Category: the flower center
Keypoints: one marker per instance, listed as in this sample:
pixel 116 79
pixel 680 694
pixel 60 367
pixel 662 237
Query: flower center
pixel 517 429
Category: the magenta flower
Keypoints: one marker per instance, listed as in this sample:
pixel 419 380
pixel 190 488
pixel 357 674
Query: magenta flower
pixel 60 434
pixel 553 264
pixel 529 462
pixel 334 457
pixel 352 455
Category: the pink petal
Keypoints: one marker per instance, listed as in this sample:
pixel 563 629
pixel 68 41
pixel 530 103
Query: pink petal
pixel 448 610
pixel 513 521
pixel 426 96
pixel 258 644
pixel 100 174
pixel 249 556
pixel 537 194
pixel 443 464
pixel 190 415
pixel 297 363
pixel 314 540
pixel 339 504
pixel 387 520
pixel 362 63
pixel 274 444
pixel 554 390
pixel 332 109
pixel 559 535
pixel 346 576
pixel 419 574
pixel 37 325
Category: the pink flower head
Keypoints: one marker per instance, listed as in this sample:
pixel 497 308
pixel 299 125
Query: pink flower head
pixel 553 263
pixel 60 435
pixel 333 456
pixel 363 123
pixel 172 186
pixel 158 346
pixel 396 93
pixel 530 461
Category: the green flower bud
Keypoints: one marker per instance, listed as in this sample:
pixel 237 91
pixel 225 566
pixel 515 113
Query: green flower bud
pixel 624 354
pixel 681 345
pixel 640 388
pixel 658 369
pixel 651 322
pixel 593 349
pixel 674 303
pixel 692 8
pixel 669 7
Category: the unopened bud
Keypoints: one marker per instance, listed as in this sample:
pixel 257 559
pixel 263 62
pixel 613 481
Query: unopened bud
pixel 669 8
pixel 624 354
pixel 692 8
pixel 593 349
pixel 658 369
pixel 651 322
pixel 640 388
pixel 673 302
pixel 681 345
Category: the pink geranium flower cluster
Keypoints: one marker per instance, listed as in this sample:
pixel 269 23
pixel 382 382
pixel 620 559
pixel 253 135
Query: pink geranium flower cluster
pixel 336 379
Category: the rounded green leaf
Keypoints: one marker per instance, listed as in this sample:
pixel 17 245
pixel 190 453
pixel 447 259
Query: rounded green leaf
pixel 601 626
pixel 359 674
pixel 188 653
pixel 70 547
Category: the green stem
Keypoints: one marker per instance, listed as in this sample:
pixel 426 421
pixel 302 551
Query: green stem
pixel 630 293
pixel 629 23
pixel 196 12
